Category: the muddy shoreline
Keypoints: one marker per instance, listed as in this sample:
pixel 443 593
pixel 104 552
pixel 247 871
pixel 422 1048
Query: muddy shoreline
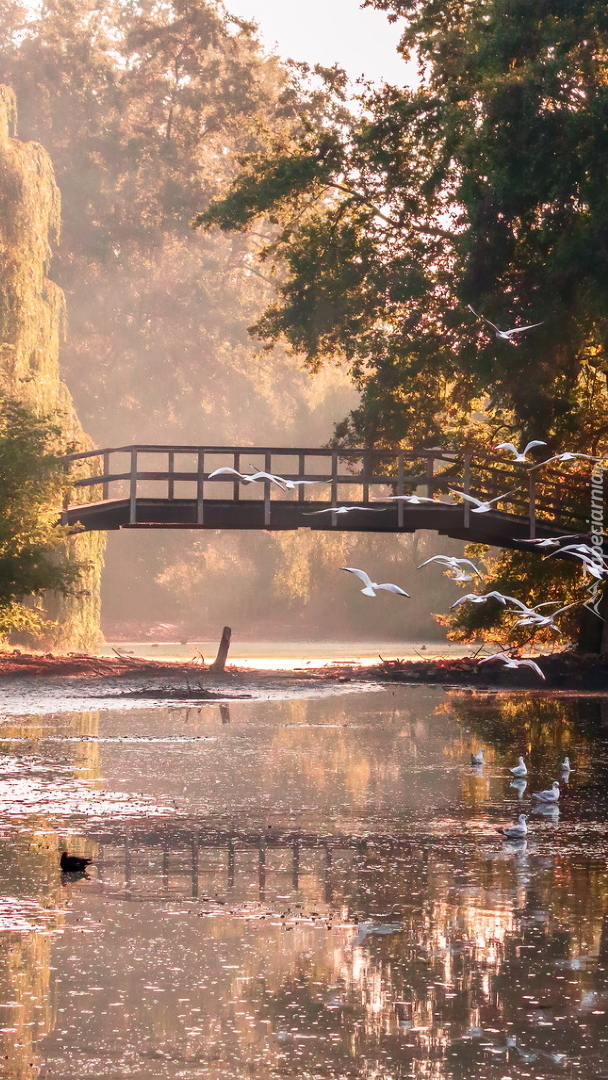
pixel 192 681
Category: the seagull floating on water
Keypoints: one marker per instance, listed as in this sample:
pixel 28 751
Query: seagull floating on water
pixel 519 456
pixel 516 832
pixel 372 586
pixel 513 662
pixel 73 864
pixel 551 795
pixel 482 507
pixel 505 335
pixel 477 759
pixel 519 769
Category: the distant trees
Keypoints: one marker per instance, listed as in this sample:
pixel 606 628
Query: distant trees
pixel 33 556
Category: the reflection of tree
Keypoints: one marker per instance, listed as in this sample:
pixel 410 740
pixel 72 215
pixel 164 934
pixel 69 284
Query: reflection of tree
pixel 33 897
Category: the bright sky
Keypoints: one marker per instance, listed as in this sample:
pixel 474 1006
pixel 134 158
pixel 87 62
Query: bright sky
pixel 362 41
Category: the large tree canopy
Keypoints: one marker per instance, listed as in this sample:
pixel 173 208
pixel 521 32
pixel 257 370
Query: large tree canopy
pixel 485 185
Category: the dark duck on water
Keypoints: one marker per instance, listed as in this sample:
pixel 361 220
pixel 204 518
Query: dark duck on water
pixel 73 864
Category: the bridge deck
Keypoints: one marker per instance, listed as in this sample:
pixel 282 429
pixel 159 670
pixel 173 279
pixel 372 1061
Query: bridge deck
pixel 172 487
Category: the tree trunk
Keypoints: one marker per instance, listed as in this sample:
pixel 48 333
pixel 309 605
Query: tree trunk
pixel 219 663
pixel 593 632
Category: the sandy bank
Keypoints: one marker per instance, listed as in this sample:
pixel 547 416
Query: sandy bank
pixel 191 681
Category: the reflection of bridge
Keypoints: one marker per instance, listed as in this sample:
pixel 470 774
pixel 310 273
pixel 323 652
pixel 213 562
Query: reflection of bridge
pixel 169 487
pixel 183 849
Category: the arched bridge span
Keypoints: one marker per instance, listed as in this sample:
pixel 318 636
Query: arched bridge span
pixel 169 487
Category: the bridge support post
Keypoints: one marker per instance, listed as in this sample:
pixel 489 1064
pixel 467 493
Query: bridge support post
pixel 267 468
pixel 106 472
pixel 532 503
pixel 467 487
pixel 400 486
pixel 171 476
pixel 133 488
pixel 200 475
pixel 334 484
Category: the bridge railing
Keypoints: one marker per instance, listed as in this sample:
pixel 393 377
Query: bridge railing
pixel 336 476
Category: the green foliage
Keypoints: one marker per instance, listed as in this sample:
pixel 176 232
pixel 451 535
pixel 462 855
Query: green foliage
pixel 484 185
pixel 32 483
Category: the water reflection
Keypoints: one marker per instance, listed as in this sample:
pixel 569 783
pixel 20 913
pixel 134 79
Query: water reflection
pixel 310 889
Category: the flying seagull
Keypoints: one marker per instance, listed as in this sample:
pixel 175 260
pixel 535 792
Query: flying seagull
pixel 566 456
pixel 346 510
pixel 513 662
pixel 415 500
pixel 516 832
pixel 482 507
pixel 477 759
pixel 249 478
pixel 519 456
pixel 476 598
pixel 505 335
pixel 372 586
pixel 454 564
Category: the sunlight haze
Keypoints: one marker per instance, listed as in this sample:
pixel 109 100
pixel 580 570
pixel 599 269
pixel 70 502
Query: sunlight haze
pixel 362 41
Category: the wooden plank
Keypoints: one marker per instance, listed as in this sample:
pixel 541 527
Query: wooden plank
pixel 366 470
pixel 334 484
pixel 467 488
pixel 301 476
pixel 199 487
pixel 106 472
pixel 532 503
pixel 400 489
pixel 267 468
pixel 236 487
pixel 133 489
pixel 430 470
pixel 171 474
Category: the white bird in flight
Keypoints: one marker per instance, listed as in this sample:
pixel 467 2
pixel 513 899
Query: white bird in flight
pixel 477 759
pixel 453 564
pixel 516 832
pixel 482 507
pixel 505 335
pixel 549 796
pixel 248 478
pixel 567 456
pixel 565 765
pixel 534 618
pixel 476 598
pixel 346 510
pixel 513 662
pixel 371 586
pixel 550 541
pixel 519 769
pixel 519 455
pixel 415 500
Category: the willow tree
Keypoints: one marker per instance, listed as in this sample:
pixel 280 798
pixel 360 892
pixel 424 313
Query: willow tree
pixel 483 186
pixel 34 556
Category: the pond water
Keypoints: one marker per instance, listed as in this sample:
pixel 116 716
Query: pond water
pixel 311 888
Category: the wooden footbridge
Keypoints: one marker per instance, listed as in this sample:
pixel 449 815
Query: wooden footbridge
pixel 169 487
